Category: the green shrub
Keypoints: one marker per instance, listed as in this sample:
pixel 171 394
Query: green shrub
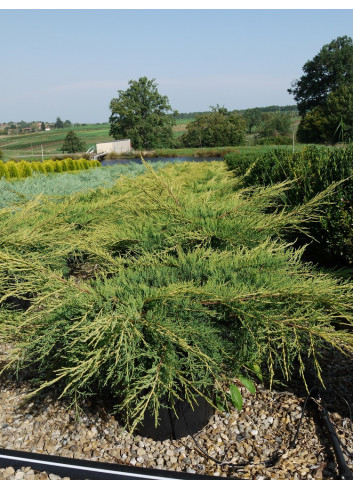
pixel 25 169
pixel 49 166
pixel 187 284
pixel 57 166
pixel 70 164
pixel 240 162
pixel 4 172
pixel 65 166
pixel 13 169
pixel 313 170
pixel 40 167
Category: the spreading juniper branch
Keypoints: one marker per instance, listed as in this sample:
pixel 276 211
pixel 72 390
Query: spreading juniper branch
pixel 191 282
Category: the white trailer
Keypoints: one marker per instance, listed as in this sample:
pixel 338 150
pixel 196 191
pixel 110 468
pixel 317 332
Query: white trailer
pixel 120 147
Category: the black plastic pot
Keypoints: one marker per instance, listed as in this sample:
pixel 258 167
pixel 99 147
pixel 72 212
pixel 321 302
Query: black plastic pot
pixel 171 426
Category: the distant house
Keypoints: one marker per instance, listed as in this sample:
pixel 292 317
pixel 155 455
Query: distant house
pixel 120 147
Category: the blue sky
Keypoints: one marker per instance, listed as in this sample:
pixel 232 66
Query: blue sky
pixel 70 63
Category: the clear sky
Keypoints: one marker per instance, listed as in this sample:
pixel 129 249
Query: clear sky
pixel 70 63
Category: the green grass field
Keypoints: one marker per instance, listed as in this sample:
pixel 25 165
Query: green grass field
pixel 52 141
pixel 184 121
pixel 27 145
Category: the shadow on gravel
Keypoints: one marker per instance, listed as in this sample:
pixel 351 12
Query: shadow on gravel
pixel 337 380
pixel 336 390
pixel 337 386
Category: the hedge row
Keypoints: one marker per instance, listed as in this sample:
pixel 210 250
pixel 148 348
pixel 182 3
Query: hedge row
pixel 313 169
pixel 24 169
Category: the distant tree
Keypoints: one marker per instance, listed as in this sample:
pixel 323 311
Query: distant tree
pixel 141 114
pixel 253 118
pixel 189 115
pixel 340 114
pixel 277 124
pixel 217 128
pixel 58 123
pixel 328 71
pixel 313 128
pixel 42 126
pixel 331 123
pixel 67 123
pixel 324 94
pixel 72 143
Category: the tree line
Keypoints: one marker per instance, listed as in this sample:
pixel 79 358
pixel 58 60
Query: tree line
pixel 143 115
pixel 324 97
pixel 291 109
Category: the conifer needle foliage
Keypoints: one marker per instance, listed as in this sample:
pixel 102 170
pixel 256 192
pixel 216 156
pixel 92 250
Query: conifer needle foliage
pixel 162 287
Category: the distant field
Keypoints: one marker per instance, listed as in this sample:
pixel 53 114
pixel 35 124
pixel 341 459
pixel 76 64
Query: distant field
pixel 29 145
pixel 52 141
pixel 179 129
pixel 183 121
pixel 180 126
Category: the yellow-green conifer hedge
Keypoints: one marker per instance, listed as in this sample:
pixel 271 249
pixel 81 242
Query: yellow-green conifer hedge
pixel 23 169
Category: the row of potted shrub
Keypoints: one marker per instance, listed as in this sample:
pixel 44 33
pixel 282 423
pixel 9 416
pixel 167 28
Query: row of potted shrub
pixel 24 169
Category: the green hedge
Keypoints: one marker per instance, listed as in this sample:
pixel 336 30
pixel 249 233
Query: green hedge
pixel 313 169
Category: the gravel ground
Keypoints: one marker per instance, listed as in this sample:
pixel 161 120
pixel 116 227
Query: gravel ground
pixel 266 424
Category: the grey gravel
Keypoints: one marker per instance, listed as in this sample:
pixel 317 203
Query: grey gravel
pixel 267 423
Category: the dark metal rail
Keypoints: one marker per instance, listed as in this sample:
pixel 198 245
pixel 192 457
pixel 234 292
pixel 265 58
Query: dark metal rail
pixel 85 469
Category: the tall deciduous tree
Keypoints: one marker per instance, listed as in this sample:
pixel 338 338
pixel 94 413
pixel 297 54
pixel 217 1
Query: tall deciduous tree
pixel 324 94
pixel 218 128
pixel 143 115
pixel 327 72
